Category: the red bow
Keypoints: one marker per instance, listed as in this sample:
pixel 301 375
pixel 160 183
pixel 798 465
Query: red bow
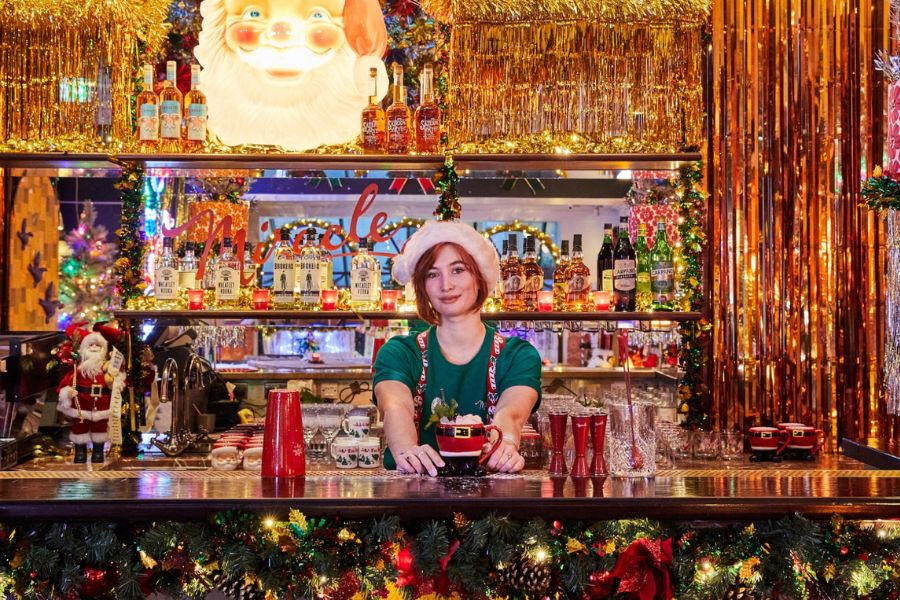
pixel 406 573
pixel 643 570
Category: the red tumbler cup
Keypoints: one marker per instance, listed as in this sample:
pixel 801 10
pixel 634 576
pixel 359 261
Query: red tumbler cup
pixel 581 425
pixel 284 454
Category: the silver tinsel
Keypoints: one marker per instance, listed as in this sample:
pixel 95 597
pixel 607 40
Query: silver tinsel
pixel 892 314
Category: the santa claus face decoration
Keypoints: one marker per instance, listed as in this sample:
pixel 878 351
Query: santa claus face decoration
pixel 290 73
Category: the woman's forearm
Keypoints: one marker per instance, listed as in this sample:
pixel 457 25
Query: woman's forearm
pixel 513 411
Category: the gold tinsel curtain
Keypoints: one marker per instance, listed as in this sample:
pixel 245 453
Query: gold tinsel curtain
pixel 67 69
pixel 574 75
pixel 798 266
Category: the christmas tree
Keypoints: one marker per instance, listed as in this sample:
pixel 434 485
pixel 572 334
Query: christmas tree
pixel 86 280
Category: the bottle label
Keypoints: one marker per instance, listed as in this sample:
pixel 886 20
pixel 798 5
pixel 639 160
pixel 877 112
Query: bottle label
pixel 624 275
pixel 362 285
pixel 310 280
pixel 643 281
pixel 373 132
pixel 227 283
pixel 187 280
pixel 166 283
pixel 513 285
pixel 662 280
pixel 324 268
pixel 170 120
pixel 397 133
pixel 533 285
pixel 196 122
pixel 283 281
pixel 429 130
pixel 148 122
pixel 607 281
pixel 577 285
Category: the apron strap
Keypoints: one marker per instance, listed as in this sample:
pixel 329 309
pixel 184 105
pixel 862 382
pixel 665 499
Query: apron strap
pixel 497 345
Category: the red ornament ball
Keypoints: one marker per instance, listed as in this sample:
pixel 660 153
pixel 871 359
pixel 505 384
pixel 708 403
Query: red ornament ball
pixel 844 550
pixel 97 582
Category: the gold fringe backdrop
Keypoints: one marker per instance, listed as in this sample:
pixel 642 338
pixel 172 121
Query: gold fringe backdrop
pixel 797 117
pixel 575 76
pixel 61 61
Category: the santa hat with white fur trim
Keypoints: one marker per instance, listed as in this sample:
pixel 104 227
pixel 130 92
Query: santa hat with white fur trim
pixel 94 337
pixel 436 232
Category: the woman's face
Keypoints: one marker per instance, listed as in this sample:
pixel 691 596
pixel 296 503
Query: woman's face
pixel 451 287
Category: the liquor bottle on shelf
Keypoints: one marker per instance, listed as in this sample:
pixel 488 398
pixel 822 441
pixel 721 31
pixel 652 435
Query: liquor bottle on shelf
pixel 283 272
pixel 167 276
pixel 187 268
pixel 513 277
pixel 504 256
pixel 624 277
pixel 364 274
pixel 398 116
pixel 309 279
pixel 605 266
pixel 195 114
pixel 326 265
pixel 428 115
pixel 209 272
pixel 373 119
pixel 578 286
pixel 643 295
pixel 148 113
pixel 170 116
pixel 662 271
pixel 228 277
pixel 533 275
pixel 250 268
pixel 561 277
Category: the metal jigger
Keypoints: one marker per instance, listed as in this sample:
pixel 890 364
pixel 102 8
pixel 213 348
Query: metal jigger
pixel 558 441
pixel 581 424
pixel 598 435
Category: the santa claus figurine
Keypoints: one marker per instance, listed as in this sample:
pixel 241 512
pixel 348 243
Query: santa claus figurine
pixel 84 396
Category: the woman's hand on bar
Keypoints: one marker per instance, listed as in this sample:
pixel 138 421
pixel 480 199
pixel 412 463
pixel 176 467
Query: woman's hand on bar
pixel 419 459
pixel 505 459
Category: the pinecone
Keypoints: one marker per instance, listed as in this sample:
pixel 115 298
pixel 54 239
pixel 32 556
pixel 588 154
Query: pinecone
pixel 237 588
pixel 741 592
pixel 525 577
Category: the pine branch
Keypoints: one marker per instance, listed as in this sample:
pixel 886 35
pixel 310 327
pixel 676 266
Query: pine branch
pixel 238 558
pixel 578 569
pixel 431 544
pixel 385 528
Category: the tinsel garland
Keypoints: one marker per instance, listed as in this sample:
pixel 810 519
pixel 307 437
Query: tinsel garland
pixel 692 355
pixel 617 11
pixel 446 180
pixel 131 286
pixel 458 558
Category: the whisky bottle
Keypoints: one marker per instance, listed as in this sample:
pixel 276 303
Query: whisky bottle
pixel 561 277
pixel 326 265
pixel 148 113
pixel 428 115
pixel 398 116
pixel 605 261
pixel 513 277
pixel 643 295
pixel 195 114
pixel 170 112
pixel 283 270
pixel 662 271
pixel 309 279
pixel 624 275
pixel 504 256
pixel 533 275
pixel 187 268
pixel 228 277
pixel 578 286
pixel 374 124
pixel 363 285
pixel 167 276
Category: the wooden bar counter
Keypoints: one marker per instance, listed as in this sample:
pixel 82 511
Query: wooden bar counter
pixel 131 489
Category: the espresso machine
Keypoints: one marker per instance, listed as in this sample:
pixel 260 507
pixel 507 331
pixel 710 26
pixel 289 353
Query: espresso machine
pixel 24 384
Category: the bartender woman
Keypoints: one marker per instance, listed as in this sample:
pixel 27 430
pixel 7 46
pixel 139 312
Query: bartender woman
pixel 453 268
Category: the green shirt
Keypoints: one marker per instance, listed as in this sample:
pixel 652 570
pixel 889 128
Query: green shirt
pixel 400 360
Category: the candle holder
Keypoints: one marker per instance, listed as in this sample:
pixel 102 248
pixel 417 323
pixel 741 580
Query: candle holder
pixel 558 442
pixel 581 425
pixel 261 299
pixel 545 301
pixel 195 299
pixel 329 299
pixel 602 300
pixel 598 438
pixel 389 300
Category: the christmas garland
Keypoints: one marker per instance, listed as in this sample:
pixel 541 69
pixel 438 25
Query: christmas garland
pixel 446 180
pixel 880 192
pixel 691 205
pixel 250 556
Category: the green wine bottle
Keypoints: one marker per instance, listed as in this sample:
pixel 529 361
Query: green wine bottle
pixel 662 271
pixel 644 296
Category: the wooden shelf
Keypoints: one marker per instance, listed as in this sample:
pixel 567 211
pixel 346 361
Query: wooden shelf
pixel 282 316
pixel 378 162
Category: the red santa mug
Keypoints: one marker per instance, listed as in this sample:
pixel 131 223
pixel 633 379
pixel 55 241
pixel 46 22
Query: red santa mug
pixel 802 437
pixel 766 439
pixel 466 439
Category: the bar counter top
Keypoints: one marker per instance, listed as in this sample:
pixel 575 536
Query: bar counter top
pixel 58 490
